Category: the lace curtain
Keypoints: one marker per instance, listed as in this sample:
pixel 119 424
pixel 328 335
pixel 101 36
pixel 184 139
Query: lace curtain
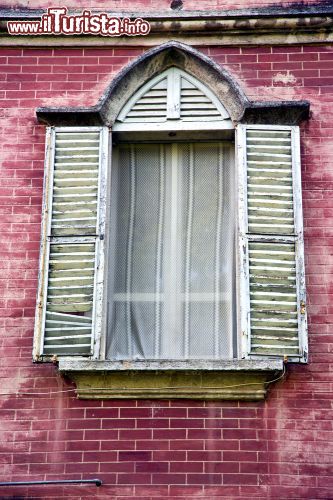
pixel 171 265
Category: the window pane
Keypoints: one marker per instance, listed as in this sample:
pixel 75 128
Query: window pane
pixel 171 261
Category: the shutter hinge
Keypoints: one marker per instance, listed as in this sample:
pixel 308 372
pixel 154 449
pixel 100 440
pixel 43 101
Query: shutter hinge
pixel 303 307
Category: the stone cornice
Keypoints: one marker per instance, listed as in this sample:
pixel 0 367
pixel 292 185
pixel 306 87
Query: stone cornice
pixel 305 24
pixel 265 12
pixel 278 112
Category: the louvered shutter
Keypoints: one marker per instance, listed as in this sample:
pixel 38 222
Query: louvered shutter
pixel 272 290
pixel 196 105
pixel 173 95
pixel 151 106
pixel 69 302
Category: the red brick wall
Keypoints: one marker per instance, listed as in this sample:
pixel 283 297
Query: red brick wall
pixel 281 448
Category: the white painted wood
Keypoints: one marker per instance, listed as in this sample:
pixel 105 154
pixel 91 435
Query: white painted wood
pixel 44 246
pixel 69 281
pixel 208 93
pixel 99 286
pixel 300 266
pixel 272 291
pixel 173 96
pixel 140 93
pixel 173 126
pixel 242 257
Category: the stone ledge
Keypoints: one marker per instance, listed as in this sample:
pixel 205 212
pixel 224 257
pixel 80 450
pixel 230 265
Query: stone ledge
pixel 206 380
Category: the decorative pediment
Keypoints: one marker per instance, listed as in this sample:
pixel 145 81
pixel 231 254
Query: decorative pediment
pixel 173 96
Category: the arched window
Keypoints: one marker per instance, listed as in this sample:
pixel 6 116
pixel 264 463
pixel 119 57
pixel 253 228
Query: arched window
pixel 173 247
pixel 172 241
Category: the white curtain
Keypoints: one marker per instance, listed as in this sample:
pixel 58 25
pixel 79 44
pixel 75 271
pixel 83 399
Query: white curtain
pixel 172 271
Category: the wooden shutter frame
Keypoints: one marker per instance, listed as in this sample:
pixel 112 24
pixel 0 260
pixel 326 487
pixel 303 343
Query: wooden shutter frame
pixel 98 297
pixel 243 294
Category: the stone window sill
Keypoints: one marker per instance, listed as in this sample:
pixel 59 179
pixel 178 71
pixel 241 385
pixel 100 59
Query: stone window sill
pixel 195 379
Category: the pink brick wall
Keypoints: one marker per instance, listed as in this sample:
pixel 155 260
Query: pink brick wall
pixel 281 448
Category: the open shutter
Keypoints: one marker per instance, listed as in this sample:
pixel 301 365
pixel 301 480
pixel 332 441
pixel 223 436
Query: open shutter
pixel 70 292
pixel 272 285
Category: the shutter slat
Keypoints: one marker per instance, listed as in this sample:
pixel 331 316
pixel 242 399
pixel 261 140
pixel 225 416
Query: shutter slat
pixel 269 188
pixel 73 294
pixel 73 183
pixel 274 261
pixel 151 106
pixel 194 104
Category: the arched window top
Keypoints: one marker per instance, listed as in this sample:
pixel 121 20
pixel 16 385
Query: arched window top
pixel 173 100
pixel 221 88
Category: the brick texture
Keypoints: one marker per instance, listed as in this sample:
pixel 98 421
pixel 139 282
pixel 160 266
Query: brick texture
pixel 280 448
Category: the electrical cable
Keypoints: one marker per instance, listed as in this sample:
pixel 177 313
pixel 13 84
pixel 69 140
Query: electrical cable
pixel 124 389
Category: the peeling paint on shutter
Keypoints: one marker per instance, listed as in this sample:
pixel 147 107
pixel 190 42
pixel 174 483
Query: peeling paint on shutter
pixel 273 298
pixel 75 184
pixel 269 182
pixel 272 292
pixel 72 242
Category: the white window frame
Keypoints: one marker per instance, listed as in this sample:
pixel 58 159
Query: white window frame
pixel 172 120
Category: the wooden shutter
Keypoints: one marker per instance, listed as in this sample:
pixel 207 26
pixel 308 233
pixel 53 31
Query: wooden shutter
pixel 196 104
pixel 272 288
pixel 172 95
pixel 69 302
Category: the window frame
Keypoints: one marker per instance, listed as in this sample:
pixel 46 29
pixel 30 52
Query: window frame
pixel 122 88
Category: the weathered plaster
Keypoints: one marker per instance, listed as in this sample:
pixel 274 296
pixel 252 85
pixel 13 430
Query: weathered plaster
pixel 239 39
pixel 285 78
pixel 231 380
